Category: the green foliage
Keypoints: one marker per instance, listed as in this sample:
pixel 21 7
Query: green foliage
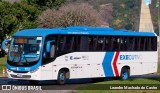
pixel 22 15
pixel 17 16
pixel 2 64
pixel 7 21
pixel 43 4
pixel 125 14
pixel 129 3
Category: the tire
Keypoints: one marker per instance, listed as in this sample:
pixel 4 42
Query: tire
pixel 61 80
pixel 98 79
pixel 124 74
pixel 33 82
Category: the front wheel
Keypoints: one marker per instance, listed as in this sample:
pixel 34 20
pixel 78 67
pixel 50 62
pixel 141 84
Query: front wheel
pixel 61 77
pixel 124 74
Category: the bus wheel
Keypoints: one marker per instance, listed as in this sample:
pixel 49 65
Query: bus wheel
pixel 33 82
pixel 61 77
pixel 124 74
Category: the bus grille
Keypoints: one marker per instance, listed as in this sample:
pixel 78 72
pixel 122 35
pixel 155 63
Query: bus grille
pixel 20 72
pixel 23 76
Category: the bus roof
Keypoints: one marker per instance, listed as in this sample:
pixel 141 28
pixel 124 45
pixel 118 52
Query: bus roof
pixel 83 30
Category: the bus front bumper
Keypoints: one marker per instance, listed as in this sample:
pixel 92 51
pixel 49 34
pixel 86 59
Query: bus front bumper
pixel 23 76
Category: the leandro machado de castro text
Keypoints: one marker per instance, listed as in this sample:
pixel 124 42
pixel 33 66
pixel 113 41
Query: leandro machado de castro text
pixel 130 87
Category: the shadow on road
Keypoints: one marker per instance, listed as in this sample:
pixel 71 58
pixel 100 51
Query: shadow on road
pixel 71 81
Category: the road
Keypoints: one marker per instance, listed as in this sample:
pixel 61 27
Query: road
pixel 47 86
pixel 71 84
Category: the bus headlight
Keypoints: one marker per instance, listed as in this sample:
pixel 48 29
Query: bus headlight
pixel 8 70
pixel 32 71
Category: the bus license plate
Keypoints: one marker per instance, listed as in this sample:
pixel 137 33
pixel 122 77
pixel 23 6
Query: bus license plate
pixel 19 75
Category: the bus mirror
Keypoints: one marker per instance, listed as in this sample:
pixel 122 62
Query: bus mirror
pixel 48 45
pixel 52 53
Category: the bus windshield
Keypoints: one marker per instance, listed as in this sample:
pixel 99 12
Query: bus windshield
pixel 24 50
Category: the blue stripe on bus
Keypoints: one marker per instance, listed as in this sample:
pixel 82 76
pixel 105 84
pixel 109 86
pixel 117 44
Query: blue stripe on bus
pixel 80 30
pixel 23 69
pixel 107 65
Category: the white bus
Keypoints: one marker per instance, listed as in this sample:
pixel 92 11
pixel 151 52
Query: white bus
pixel 80 52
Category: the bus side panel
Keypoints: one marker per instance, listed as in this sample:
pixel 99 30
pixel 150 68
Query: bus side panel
pixel 139 62
pixel 82 64
pixel 107 64
pixel 150 62
pixel 47 71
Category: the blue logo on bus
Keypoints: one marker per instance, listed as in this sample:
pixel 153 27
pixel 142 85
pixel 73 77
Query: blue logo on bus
pixel 130 57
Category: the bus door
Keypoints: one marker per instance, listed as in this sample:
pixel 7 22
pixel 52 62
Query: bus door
pixel 48 58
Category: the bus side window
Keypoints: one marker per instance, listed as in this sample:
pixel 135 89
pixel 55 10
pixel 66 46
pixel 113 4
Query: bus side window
pixel 121 44
pixel 67 44
pixel 108 43
pixel 91 44
pixel 128 44
pixel 104 43
pixel 77 43
pixel 84 43
pixel 154 44
pixel 72 48
pixel 100 44
pixel 95 41
pixel 149 44
pixel 62 43
pixel 124 44
pixel 138 45
pixel 143 45
pixel 115 43
pixel 135 46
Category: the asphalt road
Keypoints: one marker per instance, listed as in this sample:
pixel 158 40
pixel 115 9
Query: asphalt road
pixel 48 85
pixel 70 84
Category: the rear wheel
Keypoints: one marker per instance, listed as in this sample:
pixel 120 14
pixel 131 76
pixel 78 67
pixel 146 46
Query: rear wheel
pixel 124 74
pixel 61 77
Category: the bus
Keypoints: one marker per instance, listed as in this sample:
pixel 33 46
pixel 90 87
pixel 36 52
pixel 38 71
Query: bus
pixel 1 50
pixel 4 47
pixel 80 52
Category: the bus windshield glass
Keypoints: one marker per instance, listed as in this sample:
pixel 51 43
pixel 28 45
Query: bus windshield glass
pixel 24 50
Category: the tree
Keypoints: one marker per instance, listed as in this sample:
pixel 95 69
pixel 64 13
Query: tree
pixel 46 3
pixel 7 21
pixel 125 14
pixel 70 15
pixel 16 16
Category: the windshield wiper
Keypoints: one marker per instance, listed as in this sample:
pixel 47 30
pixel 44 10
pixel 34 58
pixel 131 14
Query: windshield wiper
pixel 14 55
pixel 25 59
pixel 18 54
